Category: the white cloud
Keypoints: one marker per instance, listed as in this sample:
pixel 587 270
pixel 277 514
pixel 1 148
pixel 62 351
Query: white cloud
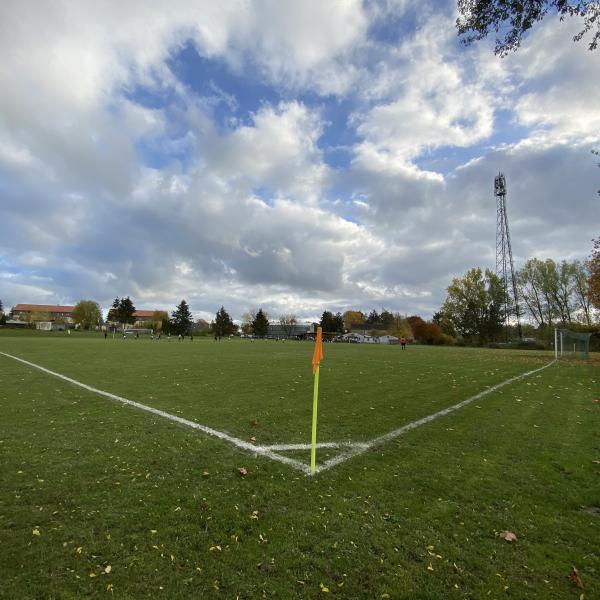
pixel 252 214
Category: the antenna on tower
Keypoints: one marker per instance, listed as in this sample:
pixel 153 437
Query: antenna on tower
pixel 505 269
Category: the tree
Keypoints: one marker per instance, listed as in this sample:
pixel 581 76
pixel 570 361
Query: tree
pixel 387 319
pixel 445 323
pixel 126 310
pixel 474 305
pixel 1 307
pixel 247 320
pixel 157 319
pixel 581 289
pixel 478 18
pixel 202 325
pixel 594 278
pixel 87 314
pixel 37 316
pixel 417 327
pixel 113 311
pixel 122 312
pixel 401 328
pixel 373 318
pixel 260 324
pixel 327 323
pixel 534 290
pixel 287 323
pixel 223 325
pixel 181 318
pixel 337 324
pixel 353 318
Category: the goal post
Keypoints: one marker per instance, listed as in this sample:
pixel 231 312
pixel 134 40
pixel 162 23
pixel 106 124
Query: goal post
pixel 571 344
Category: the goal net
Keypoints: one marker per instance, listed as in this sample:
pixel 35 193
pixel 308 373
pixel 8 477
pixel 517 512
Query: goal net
pixel 571 344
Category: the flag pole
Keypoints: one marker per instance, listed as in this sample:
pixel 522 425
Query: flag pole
pixel 313 447
pixel 316 359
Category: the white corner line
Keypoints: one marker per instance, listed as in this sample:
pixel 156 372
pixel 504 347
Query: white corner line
pixel 346 444
pixel 354 448
pixel 382 439
pixel 246 446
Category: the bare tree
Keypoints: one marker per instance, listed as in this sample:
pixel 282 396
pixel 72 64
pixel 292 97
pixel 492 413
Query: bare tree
pixel 287 323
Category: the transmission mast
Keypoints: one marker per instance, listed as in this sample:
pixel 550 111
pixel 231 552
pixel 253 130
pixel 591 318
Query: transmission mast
pixel 504 260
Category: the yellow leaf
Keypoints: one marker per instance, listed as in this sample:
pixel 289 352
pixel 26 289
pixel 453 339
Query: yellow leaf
pixel 78 550
pixel 429 567
pixel 215 549
pixel 36 531
pixel 107 569
pixel 324 588
pixel 93 575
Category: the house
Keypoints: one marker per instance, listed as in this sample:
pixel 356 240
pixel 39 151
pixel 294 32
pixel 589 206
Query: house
pixel 143 316
pixel 23 312
pixel 144 319
pixel 296 331
pixel 359 338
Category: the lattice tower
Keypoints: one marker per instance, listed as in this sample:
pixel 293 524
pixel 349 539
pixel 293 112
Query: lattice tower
pixel 504 260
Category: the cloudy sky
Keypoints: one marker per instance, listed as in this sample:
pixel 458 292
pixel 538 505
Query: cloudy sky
pixel 298 156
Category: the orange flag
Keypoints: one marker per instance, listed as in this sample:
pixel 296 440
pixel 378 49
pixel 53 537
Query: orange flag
pixel 318 353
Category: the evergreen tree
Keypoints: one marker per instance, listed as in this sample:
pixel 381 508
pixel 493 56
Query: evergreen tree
pixel 373 318
pixel 327 323
pixel 387 319
pixel 338 323
pixel 125 311
pixel 113 313
pixel 223 324
pixel 260 324
pixel 1 306
pixel 181 318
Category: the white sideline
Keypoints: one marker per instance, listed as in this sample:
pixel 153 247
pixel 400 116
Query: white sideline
pixel 354 448
pixel 382 439
pixel 247 446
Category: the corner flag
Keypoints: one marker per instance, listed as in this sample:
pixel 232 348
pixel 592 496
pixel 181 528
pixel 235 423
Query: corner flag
pixel 316 359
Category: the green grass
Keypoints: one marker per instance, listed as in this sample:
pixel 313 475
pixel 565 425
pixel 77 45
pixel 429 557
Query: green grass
pixel 108 485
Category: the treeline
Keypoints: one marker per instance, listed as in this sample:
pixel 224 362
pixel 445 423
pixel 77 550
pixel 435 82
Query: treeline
pixel 549 294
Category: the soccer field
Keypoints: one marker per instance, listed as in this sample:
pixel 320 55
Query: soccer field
pixel 89 483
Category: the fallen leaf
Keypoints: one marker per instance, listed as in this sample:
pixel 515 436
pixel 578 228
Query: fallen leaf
pixel 509 536
pixel 254 423
pixel 429 567
pixel 324 588
pixel 215 549
pixel 242 471
pixel 575 578
pixel 36 531
pixel 107 569
pixel 205 473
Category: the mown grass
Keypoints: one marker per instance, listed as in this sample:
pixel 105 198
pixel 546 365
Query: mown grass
pixel 418 518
